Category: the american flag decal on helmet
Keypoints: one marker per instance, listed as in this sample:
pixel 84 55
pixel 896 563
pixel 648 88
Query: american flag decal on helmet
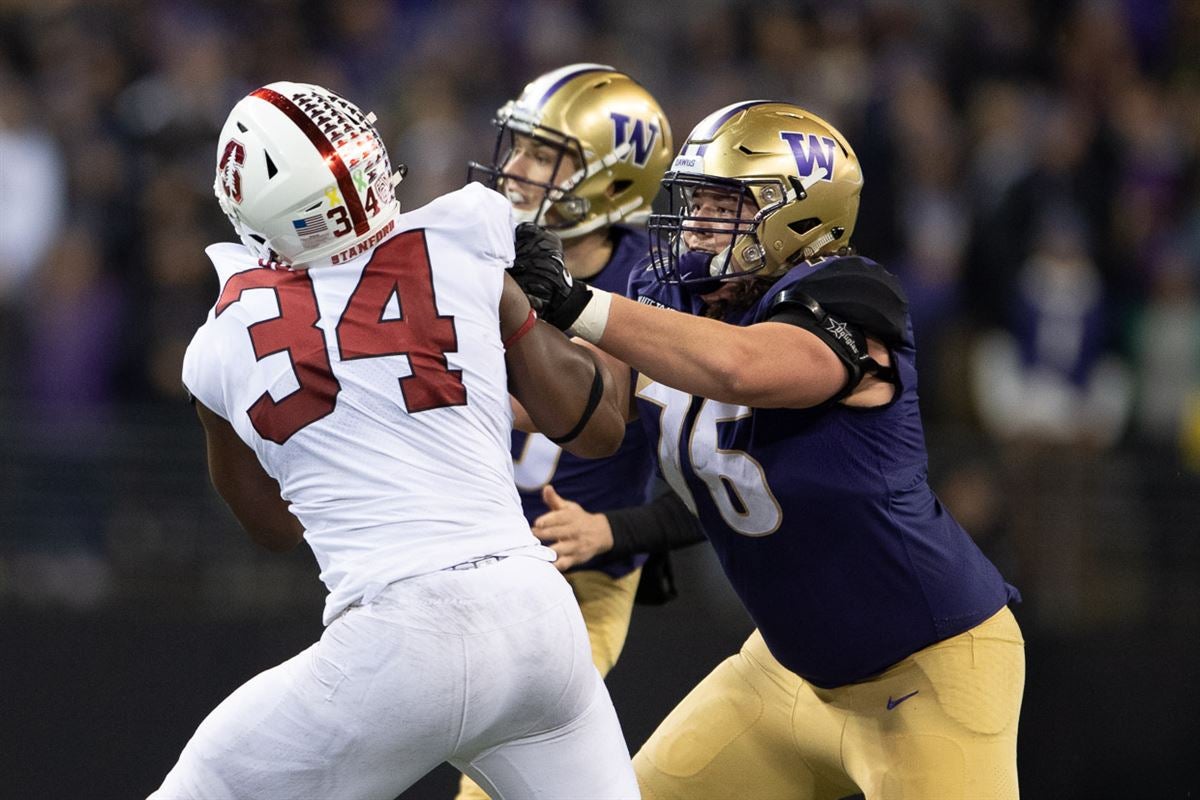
pixel 310 226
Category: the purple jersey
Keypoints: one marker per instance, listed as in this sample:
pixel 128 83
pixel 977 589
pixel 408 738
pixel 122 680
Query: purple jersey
pixel 822 518
pixel 597 484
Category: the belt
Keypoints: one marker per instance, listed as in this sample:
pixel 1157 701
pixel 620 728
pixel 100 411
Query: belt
pixel 476 563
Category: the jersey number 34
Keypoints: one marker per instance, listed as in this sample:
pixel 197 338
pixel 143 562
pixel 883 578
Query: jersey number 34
pixel 398 267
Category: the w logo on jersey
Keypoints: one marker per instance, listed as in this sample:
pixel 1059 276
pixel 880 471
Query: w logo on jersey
pixel 640 134
pixel 811 151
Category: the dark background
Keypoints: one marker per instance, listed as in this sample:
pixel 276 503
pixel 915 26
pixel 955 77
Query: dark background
pixel 1032 174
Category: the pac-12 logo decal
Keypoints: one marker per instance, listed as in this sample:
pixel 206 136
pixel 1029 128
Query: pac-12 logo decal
pixel 811 151
pixel 230 168
pixel 640 134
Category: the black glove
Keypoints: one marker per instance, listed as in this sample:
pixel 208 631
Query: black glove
pixel 540 272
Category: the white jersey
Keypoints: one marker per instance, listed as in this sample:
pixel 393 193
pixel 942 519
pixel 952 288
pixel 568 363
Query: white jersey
pixel 373 389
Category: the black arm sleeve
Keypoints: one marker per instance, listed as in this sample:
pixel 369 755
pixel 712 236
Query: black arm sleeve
pixel 663 524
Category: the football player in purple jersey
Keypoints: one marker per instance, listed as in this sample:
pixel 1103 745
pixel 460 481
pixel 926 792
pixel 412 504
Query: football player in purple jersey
pixel 581 152
pixel 784 400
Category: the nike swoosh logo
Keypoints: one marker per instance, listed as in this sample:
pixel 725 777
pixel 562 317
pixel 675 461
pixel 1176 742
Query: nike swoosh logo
pixel 893 703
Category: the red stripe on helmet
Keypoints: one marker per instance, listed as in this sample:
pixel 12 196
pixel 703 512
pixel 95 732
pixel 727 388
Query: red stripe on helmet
pixel 337 166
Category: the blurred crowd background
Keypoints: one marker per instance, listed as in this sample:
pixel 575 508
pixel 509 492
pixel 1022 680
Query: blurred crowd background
pixel 1032 175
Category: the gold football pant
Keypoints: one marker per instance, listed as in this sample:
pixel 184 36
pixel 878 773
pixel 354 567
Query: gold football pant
pixel 942 723
pixel 607 606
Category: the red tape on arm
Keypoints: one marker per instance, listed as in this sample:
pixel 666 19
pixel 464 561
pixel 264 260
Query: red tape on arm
pixel 525 328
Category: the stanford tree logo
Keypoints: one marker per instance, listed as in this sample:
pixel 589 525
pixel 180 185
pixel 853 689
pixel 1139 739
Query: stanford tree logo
pixel 230 168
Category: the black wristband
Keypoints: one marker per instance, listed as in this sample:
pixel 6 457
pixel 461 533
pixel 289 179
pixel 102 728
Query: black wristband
pixel 563 315
pixel 592 403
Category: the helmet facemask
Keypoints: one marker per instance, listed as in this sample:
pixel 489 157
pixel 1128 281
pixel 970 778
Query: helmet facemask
pixel 734 245
pixel 568 209
pixel 615 134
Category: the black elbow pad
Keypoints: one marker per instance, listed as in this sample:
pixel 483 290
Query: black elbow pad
pixel 846 340
pixel 842 303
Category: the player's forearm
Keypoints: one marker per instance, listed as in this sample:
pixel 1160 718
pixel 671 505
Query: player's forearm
pixel 251 494
pixel 555 381
pixel 276 530
pixel 659 526
pixel 521 419
pixel 564 390
pixel 758 366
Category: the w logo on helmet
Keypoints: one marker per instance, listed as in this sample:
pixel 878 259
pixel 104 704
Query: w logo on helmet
pixel 811 151
pixel 641 135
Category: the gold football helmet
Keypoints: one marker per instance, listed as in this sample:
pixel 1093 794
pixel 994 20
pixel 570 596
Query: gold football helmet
pixel 614 130
pixel 794 166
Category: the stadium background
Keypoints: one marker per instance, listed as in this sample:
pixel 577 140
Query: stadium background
pixel 1033 176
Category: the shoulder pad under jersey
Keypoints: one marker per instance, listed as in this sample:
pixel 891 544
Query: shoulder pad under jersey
pixel 857 290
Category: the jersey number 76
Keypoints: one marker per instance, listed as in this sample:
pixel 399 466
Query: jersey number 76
pixel 735 480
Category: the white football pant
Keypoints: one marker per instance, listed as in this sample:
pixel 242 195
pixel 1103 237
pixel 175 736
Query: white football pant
pixel 487 668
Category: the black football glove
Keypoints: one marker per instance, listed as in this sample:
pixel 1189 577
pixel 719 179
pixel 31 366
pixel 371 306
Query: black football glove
pixel 540 272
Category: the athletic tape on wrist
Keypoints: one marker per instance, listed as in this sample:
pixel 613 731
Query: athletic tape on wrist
pixel 591 322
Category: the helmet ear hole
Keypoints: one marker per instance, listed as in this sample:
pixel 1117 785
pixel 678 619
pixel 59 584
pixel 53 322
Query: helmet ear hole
pixel 618 187
pixel 803 226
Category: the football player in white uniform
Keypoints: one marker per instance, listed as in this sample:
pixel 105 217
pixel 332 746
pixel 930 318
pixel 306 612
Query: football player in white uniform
pixel 352 384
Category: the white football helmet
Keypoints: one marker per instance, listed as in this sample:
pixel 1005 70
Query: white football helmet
pixel 302 174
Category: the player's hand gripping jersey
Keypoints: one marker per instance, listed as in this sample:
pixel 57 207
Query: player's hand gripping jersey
pixel 335 374
pixel 597 484
pixel 829 532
